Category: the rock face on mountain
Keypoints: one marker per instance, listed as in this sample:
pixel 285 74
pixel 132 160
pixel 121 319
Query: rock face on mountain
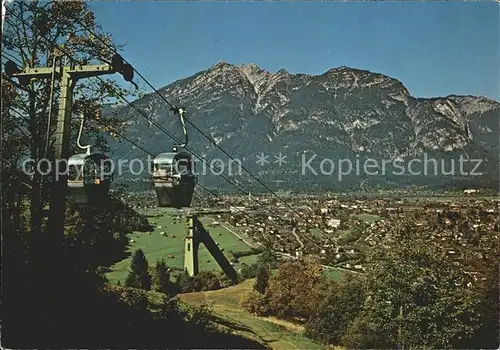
pixel 344 113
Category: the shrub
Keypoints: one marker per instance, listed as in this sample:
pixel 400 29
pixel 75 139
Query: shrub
pixel 255 303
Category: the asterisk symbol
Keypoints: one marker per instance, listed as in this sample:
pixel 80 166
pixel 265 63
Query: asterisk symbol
pixel 280 159
pixel 262 159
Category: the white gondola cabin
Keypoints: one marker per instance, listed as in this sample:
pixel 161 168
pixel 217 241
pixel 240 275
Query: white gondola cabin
pixel 89 178
pixel 174 179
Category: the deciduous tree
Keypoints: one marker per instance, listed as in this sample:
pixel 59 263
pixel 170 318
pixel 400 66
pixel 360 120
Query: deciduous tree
pixel 297 289
pixel 34 35
pixel 337 311
pixel 416 297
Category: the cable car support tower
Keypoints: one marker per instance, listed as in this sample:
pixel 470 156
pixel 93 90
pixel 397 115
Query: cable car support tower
pixel 174 182
pixel 68 76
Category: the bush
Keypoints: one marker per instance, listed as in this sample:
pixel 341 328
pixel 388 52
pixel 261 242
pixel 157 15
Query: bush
pixel 255 303
pixel 360 335
pixel 262 279
pixel 205 280
pixel 201 316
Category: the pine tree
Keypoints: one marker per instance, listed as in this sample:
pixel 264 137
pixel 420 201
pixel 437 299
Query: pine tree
pixel 266 261
pixel 139 276
pixel 162 277
pixel 261 279
pixel 268 258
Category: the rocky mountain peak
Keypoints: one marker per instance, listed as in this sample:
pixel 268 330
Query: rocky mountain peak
pixel 253 73
pixel 340 113
pixel 353 78
pixel 472 104
pixel 282 71
pixel 252 67
pixel 220 64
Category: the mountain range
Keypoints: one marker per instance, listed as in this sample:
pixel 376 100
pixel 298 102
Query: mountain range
pixel 344 113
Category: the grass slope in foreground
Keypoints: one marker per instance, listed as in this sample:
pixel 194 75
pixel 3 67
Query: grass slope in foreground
pixel 276 334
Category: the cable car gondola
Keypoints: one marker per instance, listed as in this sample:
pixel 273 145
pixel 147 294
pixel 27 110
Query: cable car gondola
pixel 173 174
pixel 89 178
pixel 89 175
pixel 173 178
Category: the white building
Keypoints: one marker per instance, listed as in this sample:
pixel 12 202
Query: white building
pixel 333 223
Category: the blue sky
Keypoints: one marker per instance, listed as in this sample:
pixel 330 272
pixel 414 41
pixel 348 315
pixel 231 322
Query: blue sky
pixel 435 49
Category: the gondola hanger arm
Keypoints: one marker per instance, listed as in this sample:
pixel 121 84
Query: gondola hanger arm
pixel 180 111
pixel 87 147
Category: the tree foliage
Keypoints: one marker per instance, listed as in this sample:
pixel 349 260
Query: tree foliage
pixel 161 278
pixel 286 295
pixel 337 311
pixel 265 262
pixel 415 297
pixel 139 276
pixel 261 279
